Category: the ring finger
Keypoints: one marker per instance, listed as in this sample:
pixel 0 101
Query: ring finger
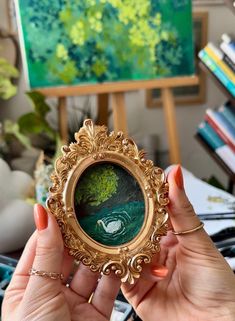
pixel 84 282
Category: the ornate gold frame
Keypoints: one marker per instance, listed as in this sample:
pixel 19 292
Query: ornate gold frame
pixel 95 145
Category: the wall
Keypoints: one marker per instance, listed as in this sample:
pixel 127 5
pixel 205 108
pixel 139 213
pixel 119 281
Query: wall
pixel 150 121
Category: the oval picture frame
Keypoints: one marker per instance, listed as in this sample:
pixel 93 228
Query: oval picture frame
pixel 107 168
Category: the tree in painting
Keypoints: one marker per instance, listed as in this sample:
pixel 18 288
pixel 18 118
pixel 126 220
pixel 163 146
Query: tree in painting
pixel 96 186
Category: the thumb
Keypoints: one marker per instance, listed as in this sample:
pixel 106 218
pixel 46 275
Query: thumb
pixel 48 254
pixel 181 212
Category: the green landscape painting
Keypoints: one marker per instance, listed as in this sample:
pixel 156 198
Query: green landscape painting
pixel 73 42
pixel 109 204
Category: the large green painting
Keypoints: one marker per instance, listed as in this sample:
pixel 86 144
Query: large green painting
pixel 109 204
pixel 68 42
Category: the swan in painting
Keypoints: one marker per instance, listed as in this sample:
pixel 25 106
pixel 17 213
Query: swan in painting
pixel 111 227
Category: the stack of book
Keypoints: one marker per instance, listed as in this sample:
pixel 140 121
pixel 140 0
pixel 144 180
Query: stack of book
pixel 221 62
pixel 217 131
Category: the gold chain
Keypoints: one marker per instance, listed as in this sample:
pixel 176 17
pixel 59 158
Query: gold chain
pixel 51 275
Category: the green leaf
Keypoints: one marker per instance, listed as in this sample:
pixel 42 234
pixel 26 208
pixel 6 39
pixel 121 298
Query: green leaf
pixel 32 123
pixel 7 89
pixel 38 100
pixel 13 129
pixel 7 70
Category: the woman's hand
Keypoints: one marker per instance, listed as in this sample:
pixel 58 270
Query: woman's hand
pixel 34 298
pixel 192 280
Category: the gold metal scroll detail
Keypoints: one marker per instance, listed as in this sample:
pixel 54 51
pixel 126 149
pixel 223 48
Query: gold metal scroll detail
pixel 94 144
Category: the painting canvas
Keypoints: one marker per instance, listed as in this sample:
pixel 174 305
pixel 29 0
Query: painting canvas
pixel 94 41
pixel 109 204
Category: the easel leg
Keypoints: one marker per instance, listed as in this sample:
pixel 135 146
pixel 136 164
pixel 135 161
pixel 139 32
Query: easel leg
pixel 63 120
pixel 102 105
pixel 119 112
pixel 169 110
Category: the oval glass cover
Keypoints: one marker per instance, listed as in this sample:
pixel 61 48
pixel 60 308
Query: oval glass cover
pixel 109 204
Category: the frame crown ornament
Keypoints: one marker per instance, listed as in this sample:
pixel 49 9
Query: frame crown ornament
pixel 94 145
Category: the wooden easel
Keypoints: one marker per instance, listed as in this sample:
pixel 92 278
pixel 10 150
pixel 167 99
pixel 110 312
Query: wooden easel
pixel 117 92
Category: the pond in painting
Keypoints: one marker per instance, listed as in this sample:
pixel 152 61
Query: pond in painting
pixel 109 204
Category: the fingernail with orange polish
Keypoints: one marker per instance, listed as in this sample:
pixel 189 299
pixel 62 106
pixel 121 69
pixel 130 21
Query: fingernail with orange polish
pixel 40 217
pixel 160 271
pixel 179 177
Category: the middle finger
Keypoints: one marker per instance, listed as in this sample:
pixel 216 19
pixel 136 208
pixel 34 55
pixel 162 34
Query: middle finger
pixel 84 282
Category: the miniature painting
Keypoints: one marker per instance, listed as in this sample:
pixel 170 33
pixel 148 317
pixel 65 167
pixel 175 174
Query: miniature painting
pixel 109 201
pixel 109 204
pixel 95 41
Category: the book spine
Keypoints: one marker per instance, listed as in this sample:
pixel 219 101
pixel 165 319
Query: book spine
pixel 228 39
pixel 217 56
pixel 228 114
pixel 229 62
pixel 227 155
pixel 217 71
pixel 225 125
pixel 210 137
pixel 218 128
pixel 228 50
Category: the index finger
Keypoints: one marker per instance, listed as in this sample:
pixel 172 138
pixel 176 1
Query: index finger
pixel 27 257
pixel 26 261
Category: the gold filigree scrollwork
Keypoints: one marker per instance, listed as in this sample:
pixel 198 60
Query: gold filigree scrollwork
pixel 94 144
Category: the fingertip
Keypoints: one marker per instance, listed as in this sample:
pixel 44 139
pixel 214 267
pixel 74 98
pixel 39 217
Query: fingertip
pixel 47 226
pixel 170 173
pixel 181 212
pixel 40 217
pixel 178 176
pixel 175 177
pixel 159 271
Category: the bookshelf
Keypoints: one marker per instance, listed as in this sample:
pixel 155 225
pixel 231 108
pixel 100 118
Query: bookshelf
pixel 210 61
pixel 219 161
